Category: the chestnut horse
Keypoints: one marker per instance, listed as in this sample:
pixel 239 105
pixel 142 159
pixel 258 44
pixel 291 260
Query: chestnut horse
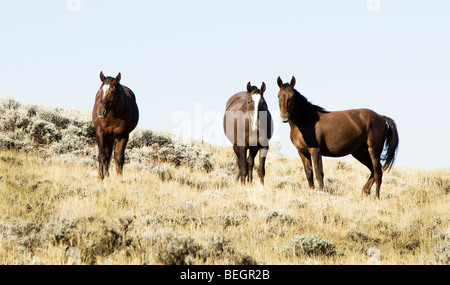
pixel 248 125
pixel 315 132
pixel 115 115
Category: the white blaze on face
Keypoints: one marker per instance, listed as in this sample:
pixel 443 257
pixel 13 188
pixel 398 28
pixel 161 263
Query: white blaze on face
pixel 105 90
pixel 256 98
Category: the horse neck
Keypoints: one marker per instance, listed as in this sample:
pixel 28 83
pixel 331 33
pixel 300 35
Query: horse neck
pixel 303 111
pixel 119 100
pixel 264 107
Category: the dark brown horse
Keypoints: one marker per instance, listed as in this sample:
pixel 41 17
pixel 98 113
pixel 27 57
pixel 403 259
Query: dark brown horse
pixel 248 125
pixel 115 115
pixel 315 132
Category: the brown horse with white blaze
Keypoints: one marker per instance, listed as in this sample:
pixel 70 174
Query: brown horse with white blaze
pixel 369 137
pixel 115 115
pixel 248 125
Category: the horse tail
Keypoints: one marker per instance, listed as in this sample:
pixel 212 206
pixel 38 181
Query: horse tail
pixel 390 144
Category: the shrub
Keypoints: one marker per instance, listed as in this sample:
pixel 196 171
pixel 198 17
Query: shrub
pixel 280 216
pixel 297 204
pixel 175 249
pixel 26 127
pixel 309 245
pixel 234 219
pixel 44 133
pixel 441 254
pixel 9 143
pixel 219 249
pixel 148 146
pixel 70 133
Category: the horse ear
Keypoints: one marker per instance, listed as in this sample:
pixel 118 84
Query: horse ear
pixel 293 82
pixel 263 88
pixel 118 77
pixel 280 82
pixel 249 87
pixel 102 76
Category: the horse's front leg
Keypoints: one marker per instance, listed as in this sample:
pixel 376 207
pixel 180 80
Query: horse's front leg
pixel 105 144
pixel 251 163
pixel 262 164
pixel 101 156
pixel 241 153
pixel 119 153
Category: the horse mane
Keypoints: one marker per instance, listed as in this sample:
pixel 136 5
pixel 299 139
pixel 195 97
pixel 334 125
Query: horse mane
pixel 265 106
pixel 306 105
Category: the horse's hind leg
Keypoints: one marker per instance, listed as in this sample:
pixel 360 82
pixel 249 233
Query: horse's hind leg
pixel 119 154
pixel 318 166
pixel 307 165
pixel 251 163
pixel 378 172
pixel 363 156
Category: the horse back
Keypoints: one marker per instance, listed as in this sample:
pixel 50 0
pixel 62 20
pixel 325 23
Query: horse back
pixel 339 133
pixel 237 102
pixel 129 93
pixel 345 131
pixel 131 108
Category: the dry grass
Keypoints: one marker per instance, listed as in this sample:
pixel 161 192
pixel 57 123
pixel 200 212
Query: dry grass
pixel 196 217
pixel 164 212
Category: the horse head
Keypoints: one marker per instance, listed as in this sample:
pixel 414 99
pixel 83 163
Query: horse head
pixel 286 98
pixel 109 91
pixel 255 103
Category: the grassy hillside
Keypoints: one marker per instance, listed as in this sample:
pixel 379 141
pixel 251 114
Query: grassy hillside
pixel 178 203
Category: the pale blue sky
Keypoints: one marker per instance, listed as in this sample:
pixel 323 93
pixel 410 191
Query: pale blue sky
pixel 176 54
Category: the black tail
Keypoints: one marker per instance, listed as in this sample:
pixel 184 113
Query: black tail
pixel 390 145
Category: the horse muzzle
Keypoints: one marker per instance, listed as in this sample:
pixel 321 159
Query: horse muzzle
pixel 285 118
pixel 255 126
pixel 102 113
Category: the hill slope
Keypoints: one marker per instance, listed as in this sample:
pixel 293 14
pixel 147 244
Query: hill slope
pixel 178 203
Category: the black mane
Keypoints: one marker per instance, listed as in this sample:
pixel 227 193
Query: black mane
pixel 306 105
